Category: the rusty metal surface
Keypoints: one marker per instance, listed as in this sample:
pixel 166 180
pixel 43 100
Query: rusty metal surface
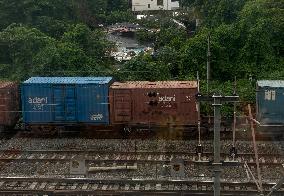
pixel 6 84
pixel 159 103
pixel 9 103
pixel 158 84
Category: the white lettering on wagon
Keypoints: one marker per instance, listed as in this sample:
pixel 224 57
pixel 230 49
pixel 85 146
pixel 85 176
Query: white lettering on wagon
pixel 37 103
pixel 37 100
pixel 167 101
pixel 96 117
pixel 269 95
pixel 167 98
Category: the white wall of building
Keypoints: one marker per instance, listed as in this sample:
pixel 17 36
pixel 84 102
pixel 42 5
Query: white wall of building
pixel 145 5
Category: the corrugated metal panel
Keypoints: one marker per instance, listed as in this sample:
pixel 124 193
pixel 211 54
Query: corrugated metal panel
pixel 157 103
pixel 6 84
pixel 69 101
pixel 270 83
pixel 270 102
pixel 94 104
pixel 9 103
pixel 122 108
pixel 157 84
pixel 68 80
pixel 38 103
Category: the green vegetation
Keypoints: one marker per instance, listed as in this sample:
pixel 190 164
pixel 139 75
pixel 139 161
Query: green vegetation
pixel 61 37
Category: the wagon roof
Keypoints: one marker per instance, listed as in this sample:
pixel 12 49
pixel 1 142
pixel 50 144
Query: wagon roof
pixel 157 84
pixel 270 83
pixel 6 84
pixel 68 80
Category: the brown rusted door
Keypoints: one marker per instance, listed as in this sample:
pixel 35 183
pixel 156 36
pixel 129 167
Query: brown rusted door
pixel 122 105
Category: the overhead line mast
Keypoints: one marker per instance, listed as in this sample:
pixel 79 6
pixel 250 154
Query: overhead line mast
pixel 217 101
pixel 208 62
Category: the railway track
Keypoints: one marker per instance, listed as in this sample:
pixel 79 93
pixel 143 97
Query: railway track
pixel 131 156
pixel 56 186
pixel 42 174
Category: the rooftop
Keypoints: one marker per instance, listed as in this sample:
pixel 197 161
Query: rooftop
pixel 270 83
pixel 157 84
pixel 68 80
pixel 6 84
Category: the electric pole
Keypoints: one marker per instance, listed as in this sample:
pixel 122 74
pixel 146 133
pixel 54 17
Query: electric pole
pixel 217 101
pixel 208 62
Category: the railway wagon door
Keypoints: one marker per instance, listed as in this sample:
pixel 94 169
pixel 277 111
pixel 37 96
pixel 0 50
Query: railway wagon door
pixel 70 103
pixel 64 103
pixel 122 101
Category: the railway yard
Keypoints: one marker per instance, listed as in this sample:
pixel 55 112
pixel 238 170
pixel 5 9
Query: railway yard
pixel 136 97
pixel 132 166
pixel 93 136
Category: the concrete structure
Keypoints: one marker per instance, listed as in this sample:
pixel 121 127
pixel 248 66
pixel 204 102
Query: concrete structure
pixel 148 5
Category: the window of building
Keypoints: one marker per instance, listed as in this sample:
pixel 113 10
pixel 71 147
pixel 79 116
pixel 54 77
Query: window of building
pixel 160 2
pixel 149 6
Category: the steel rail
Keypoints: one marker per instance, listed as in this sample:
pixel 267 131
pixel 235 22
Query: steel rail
pixel 267 159
pixel 90 185
pixel 127 152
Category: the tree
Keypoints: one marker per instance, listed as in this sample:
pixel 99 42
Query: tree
pixel 193 56
pixel 252 46
pixel 29 11
pixel 18 46
pixel 170 57
pixel 216 12
pixel 117 5
pixel 119 17
pixel 262 36
pixel 143 68
pixel 64 59
pixel 93 43
pixel 27 52
pixel 170 36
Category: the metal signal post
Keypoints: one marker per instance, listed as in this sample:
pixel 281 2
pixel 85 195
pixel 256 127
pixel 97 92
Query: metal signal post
pixel 217 101
pixel 208 63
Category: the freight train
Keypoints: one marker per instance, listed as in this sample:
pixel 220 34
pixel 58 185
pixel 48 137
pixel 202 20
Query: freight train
pixel 57 103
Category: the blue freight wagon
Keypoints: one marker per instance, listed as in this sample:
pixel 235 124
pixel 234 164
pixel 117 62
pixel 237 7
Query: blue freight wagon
pixel 66 100
pixel 270 104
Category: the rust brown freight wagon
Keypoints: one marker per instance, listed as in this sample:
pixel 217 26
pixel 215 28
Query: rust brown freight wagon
pixel 161 103
pixel 9 104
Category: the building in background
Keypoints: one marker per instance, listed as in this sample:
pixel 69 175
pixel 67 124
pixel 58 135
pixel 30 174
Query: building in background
pixel 151 5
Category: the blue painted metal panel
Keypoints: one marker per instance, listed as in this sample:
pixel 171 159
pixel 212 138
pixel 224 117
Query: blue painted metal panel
pixel 37 103
pixel 64 103
pixel 70 103
pixel 58 92
pixel 66 100
pixel 68 80
pixel 270 102
pixel 96 109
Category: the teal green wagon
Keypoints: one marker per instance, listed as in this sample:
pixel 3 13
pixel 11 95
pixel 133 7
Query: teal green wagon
pixel 270 105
